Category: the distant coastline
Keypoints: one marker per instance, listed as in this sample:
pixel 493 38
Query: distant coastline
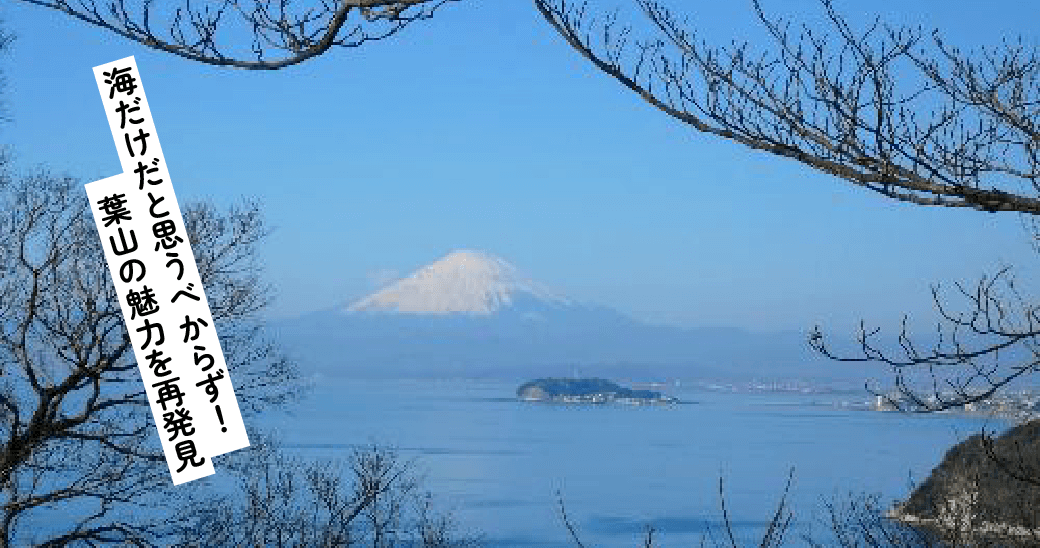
pixel 588 390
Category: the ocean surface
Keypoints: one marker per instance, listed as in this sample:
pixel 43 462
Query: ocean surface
pixel 498 463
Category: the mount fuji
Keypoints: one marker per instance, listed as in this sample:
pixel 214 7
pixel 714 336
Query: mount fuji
pixel 472 314
pixel 466 282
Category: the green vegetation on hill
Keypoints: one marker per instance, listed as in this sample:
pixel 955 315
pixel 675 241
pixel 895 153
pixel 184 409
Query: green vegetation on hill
pixel 592 390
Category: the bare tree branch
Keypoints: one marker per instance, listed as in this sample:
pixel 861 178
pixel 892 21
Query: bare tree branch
pixel 76 432
pixel 216 31
pixel 977 350
pixel 878 109
pixel 375 500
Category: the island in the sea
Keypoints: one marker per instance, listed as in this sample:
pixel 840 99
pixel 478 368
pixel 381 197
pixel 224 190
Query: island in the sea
pixel 564 390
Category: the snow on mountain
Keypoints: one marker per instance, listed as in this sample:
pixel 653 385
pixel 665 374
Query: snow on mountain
pixel 463 281
pixel 471 314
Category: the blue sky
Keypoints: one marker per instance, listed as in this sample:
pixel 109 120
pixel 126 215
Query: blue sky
pixel 480 129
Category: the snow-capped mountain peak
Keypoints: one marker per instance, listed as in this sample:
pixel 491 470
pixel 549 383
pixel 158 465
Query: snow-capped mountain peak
pixel 463 281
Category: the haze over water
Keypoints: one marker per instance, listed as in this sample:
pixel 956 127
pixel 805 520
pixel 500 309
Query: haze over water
pixel 498 461
pixel 518 146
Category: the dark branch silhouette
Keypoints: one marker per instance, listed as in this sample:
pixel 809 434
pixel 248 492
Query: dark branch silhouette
pixel 77 439
pixel 374 499
pixel 910 118
pixel 279 34
pixel 979 348
pixel 772 537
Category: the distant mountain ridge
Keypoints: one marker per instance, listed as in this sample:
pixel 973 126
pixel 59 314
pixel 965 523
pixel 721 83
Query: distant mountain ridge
pixel 471 314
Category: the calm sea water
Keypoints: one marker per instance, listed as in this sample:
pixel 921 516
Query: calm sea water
pixel 499 462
